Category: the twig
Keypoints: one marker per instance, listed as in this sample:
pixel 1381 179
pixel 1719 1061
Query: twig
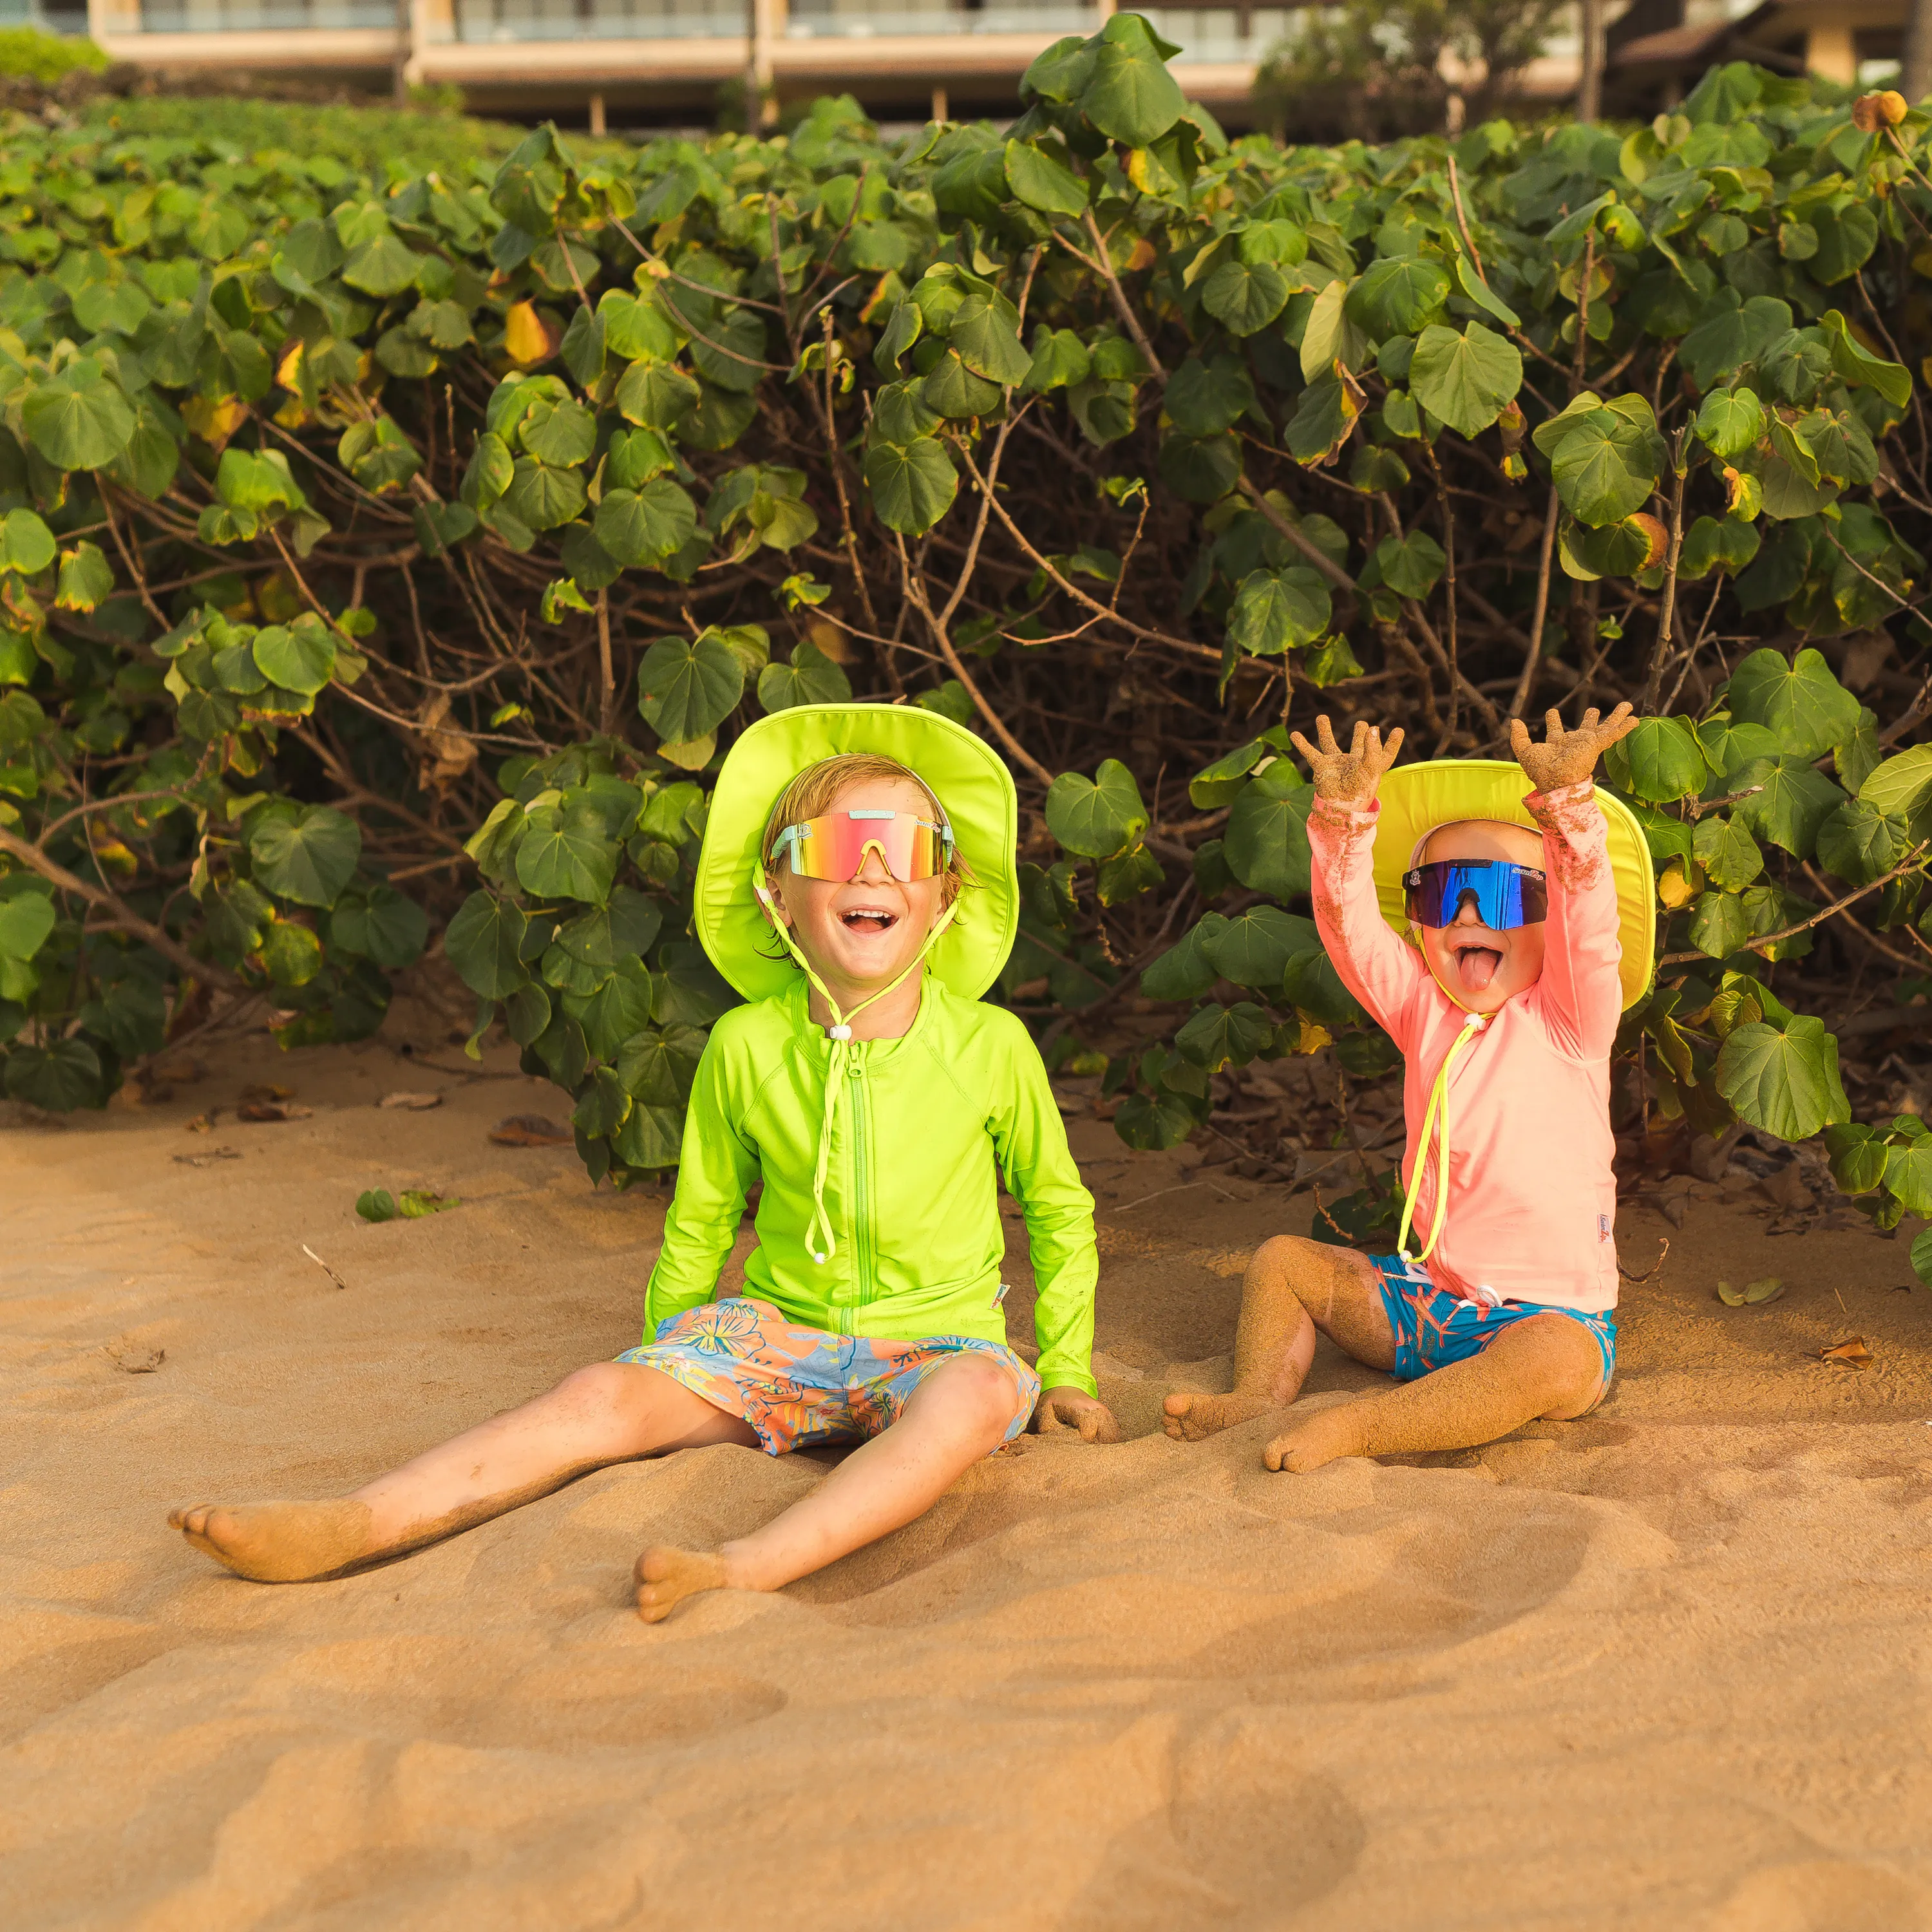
pixel 1909 863
pixel 1638 1280
pixel 323 1265
pixel 1104 263
pixel 607 718
pixel 1540 613
pixel 1661 648
pixel 216 978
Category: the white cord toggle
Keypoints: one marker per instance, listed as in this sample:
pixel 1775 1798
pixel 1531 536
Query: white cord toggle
pixel 838 1033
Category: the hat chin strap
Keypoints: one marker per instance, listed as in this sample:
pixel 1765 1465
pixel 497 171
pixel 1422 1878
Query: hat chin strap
pixel 1439 1105
pixel 839 1033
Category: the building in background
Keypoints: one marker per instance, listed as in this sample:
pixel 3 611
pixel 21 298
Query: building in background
pixel 642 63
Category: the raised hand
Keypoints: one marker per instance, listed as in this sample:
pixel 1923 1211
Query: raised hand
pixel 1568 758
pixel 1350 776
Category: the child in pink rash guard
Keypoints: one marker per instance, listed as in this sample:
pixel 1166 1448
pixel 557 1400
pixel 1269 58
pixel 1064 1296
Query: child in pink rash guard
pixel 1498 1310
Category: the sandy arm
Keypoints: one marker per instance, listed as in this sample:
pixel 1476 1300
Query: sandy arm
pixel 1380 969
pixel 1580 988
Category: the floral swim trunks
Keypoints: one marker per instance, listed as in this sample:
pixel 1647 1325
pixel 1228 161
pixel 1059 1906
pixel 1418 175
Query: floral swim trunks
pixel 1433 1328
pixel 797 1386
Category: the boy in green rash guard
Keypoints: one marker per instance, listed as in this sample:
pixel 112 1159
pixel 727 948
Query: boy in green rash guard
pixel 862 910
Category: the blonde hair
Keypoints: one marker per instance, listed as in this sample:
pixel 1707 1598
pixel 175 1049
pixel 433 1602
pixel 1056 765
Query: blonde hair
pixel 818 787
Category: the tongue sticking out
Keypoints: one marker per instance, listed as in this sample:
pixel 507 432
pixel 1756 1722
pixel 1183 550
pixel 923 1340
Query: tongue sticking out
pixel 1476 966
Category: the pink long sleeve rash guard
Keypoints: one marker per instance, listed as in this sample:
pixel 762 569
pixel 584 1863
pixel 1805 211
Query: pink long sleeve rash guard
pixel 1532 1195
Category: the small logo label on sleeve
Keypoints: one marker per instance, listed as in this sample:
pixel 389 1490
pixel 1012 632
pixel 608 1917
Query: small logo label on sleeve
pixel 1603 1227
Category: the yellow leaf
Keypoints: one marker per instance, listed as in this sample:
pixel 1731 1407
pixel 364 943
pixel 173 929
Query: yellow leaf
pixel 1674 887
pixel 214 423
pixel 526 340
pixel 288 371
pixel 1314 1037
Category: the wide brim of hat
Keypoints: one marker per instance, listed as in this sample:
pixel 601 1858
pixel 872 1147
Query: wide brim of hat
pixel 973 787
pixel 1416 799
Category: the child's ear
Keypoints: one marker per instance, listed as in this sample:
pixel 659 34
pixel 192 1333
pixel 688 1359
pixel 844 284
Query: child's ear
pixel 771 899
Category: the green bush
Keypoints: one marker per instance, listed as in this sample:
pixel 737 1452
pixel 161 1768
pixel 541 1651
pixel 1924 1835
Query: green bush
pixel 386 145
pixel 26 53
pixel 352 524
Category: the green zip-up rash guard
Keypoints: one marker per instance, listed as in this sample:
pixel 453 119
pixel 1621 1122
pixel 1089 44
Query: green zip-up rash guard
pixel 929 1125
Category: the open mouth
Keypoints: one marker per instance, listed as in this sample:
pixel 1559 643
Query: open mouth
pixel 1476 964
pixel 871 919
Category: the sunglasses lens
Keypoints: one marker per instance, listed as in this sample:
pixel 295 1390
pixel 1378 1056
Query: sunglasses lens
pixel 1504 896
pixel 834 846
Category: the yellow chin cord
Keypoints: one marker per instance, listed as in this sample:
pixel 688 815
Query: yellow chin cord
pixel 1438 1109
pixel 839 1033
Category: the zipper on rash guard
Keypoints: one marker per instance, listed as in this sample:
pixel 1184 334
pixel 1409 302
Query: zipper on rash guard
pixel 864 1285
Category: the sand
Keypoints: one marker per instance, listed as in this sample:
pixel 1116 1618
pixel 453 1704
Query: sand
pixel 1667 1666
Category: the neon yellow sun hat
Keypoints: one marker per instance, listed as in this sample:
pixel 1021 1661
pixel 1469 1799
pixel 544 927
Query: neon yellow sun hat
pixel 968 778
pixel 1416 798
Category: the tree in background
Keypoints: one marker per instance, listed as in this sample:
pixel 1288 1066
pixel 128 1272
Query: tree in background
pixel 1374 70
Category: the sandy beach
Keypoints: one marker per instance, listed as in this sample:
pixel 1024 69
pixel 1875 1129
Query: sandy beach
pixel 1668 1667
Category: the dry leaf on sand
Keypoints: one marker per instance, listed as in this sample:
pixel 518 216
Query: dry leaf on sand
pixel 272 1110
pixel 1851 1351
pixel 529 1130
pixel 415 1103
pixel 1752 1294
pixel 207 1159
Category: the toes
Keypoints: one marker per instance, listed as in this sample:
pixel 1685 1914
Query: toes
pixel 1178 1405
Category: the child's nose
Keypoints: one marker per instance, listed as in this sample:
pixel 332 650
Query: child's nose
pixel 873 870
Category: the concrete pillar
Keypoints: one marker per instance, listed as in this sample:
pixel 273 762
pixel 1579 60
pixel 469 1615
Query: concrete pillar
pixel 941 107
pixel 1830 52
pixel 597 129
pixel 765 25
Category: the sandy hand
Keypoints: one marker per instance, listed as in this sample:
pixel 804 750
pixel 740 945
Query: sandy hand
pixel 280 1543
pixel 1061 1410
pixel 1568 758
pixel 1350 777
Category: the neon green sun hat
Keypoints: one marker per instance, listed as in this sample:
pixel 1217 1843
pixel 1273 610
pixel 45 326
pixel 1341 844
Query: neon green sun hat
pixel 1416 798
pixel 964 772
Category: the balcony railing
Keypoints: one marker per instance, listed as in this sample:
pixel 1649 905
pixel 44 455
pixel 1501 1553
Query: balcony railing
pixel 49 19
pixel 817 19
pixel 256 17
pixel 501 20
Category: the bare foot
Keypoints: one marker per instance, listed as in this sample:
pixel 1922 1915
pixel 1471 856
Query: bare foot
pixel 280 1543
pixel 666 1575
pixel 1192 1418
pixel 1321 1438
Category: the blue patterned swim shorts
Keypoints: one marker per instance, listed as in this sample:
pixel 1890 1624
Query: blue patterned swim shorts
pixel 1433 1328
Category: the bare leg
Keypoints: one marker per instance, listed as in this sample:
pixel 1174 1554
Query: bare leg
pixel 610 1412
pixel 1293 1287
pixel 1548 1366
pixel 958 1415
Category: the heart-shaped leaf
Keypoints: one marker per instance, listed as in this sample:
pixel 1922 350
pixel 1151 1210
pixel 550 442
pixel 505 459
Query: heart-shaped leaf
pixel 304 853
pixel 687 687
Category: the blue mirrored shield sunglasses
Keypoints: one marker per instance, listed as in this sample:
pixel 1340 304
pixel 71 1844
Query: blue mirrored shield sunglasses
pixel 1505 895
